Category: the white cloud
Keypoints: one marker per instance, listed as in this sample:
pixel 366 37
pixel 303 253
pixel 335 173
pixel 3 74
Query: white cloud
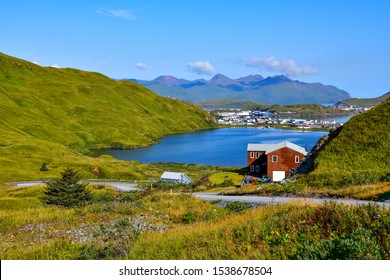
pixel 285 66
pixel 142 66
pixel 36 63
pixel 118 13
pixel 201 67
pixel 55 66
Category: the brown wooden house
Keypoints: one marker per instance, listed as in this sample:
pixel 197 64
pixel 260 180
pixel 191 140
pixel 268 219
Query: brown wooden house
pixel 274 160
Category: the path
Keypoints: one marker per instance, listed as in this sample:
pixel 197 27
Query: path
pixel 214 196
pixel 264 200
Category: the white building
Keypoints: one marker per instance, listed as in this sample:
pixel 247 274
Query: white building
pixel 175 177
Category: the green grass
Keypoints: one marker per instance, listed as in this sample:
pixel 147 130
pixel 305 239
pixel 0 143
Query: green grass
pixel 357 153
pixel 292 231
pixel 58 115
pixel 365 102
pixel 155 225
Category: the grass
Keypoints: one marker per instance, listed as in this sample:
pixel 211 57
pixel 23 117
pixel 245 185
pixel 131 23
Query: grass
pixel 57 116
pixel 365 102
pixel 358 153
pixel 156 225
pixel 291 231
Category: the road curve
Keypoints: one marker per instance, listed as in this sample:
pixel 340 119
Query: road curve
pixel 215 196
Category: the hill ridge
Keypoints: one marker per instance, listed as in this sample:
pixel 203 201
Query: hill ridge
pixel 278 89
pixel 356 153
pixel 53 114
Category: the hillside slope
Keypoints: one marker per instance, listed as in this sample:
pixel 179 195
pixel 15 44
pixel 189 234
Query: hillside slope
pixel 276 90
pixel 356 153
pixel 50 114
pixel 364 102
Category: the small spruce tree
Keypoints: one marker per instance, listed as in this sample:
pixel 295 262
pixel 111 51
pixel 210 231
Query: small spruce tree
pixel 67 191
pixel 44 167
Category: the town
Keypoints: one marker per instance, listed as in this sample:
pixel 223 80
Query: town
pixel 266 119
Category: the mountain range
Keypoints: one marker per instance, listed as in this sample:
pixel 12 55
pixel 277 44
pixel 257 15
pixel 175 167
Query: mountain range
pixel 275 90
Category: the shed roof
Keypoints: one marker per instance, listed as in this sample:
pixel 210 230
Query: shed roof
pixel 173 175
pixel 268 148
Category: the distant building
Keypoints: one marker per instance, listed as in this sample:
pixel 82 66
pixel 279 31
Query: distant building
pixel 175 177
pixel 274 160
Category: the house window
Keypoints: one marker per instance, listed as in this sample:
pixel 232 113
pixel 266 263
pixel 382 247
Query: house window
pixel 252 154
pixel 257 154
pixel 257 168
pixel 274 158
pixel 296 159
pixel 252 168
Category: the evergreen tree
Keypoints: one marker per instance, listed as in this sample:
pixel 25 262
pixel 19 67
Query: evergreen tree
pixel 44 167
pixel 67 191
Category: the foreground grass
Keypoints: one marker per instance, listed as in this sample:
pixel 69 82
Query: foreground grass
pixel 154 225
pixel 293 231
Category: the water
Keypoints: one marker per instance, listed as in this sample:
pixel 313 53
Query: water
pixel 220 147
pixel 340 119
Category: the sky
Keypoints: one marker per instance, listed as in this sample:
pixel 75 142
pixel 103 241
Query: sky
pixel 341 43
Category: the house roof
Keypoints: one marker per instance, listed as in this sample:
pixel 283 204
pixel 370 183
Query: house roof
pixel 268 148
pixel 174 176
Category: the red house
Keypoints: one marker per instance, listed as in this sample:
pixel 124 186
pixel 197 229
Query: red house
pixel 274 160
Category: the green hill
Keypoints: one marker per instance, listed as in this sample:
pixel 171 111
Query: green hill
pixel 364 102
pixel 58 115
pixel 354 154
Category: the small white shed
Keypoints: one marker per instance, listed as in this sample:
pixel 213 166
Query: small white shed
pixel 175 177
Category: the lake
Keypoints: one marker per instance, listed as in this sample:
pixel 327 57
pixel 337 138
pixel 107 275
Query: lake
pixel 220 147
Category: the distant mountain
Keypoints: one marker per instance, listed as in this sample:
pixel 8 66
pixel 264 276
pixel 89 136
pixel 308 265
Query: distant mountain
pixel 363 102
pixel 276 90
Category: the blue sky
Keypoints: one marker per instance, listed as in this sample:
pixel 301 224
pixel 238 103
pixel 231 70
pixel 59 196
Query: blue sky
pixel 342 43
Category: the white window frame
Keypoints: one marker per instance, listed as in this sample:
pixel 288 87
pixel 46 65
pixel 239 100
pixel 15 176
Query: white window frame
pixel 252 168
pixel 252 155
pixel 257 168
pixel 274 157
pixel 257 154
pixel 297 159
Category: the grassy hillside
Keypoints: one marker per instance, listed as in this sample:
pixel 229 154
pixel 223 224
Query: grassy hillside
pixel 57 115
pixel 356 153
pixel 365 102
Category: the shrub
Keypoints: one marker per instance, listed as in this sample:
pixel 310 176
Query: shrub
pixel 237 207
pixel 44 167
pixel 357 245
pixel 67 191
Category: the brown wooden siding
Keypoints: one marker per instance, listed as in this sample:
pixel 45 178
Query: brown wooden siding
pixel 286 160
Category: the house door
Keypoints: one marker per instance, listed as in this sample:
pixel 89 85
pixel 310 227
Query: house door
pixel 278 175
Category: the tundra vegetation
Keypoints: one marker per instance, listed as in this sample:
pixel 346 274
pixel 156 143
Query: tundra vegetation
pixel 158 225
pixel 53 118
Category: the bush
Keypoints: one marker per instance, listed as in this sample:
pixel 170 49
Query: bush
pixel 357 245
pixel 189 218
pixel 67 191
pixel 237 207
pixel 44 167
